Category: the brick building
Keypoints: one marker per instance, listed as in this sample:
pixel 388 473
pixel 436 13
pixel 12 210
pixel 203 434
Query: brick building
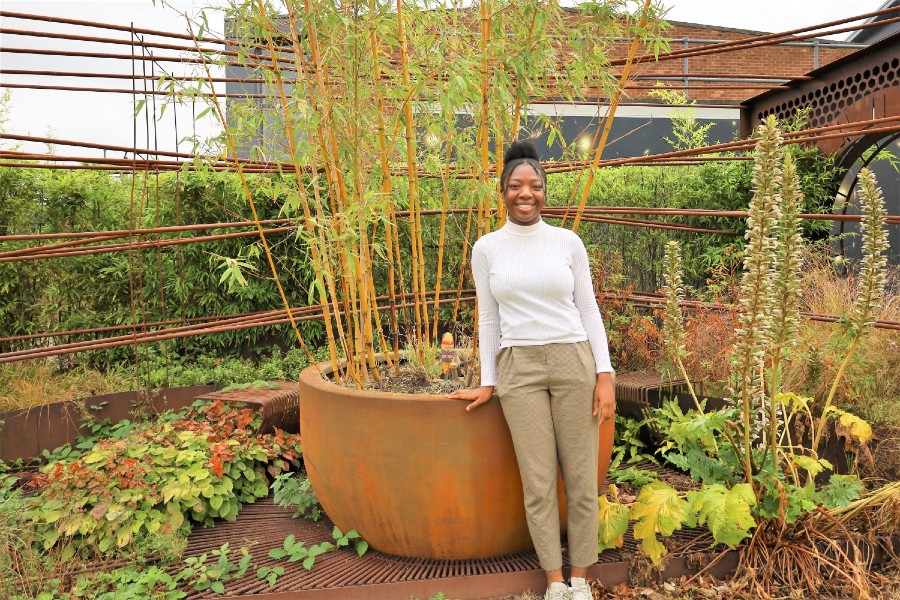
pixel 715 84
pixel 643 121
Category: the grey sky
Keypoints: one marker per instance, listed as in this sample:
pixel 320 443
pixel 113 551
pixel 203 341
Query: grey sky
pixel 108 118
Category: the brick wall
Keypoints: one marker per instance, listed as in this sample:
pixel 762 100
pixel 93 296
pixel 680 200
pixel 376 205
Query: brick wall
pixel 772 61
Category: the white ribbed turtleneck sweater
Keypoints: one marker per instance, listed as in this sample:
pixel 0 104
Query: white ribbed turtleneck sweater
pixel 534 288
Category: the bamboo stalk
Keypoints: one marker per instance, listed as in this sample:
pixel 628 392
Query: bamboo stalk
pixel 418 260
pixel 484 118
pixel 607 126
pixel 232 151
pixel 301 189
pixel 386 188
pixel 334 173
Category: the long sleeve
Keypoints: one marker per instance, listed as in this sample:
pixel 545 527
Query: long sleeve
pixel 534 288
pixel 488 316
pixel 586 303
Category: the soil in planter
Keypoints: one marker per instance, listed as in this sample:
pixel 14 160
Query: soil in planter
pixel 413 380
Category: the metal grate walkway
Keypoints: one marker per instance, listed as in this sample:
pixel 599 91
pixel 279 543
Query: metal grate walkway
pixel 344 575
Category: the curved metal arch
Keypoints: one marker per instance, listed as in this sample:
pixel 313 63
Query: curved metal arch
pixel 848 183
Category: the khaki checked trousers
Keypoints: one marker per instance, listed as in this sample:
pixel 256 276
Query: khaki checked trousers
pixel 547 397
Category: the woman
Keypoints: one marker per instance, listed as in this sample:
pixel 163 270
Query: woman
pixel 544 352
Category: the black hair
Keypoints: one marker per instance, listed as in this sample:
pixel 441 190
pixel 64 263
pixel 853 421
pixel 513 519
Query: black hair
pixel 521 152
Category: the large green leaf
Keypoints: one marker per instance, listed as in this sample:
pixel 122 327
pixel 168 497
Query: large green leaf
pixel 725 511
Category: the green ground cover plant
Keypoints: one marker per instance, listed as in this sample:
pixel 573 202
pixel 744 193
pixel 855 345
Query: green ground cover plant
pixel 135 493
pixel 29 384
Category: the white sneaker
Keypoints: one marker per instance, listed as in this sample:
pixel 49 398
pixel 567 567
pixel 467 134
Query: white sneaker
pixel 579 589
pixel 557 591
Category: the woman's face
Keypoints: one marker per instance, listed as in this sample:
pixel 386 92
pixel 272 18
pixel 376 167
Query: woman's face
pixel 524 195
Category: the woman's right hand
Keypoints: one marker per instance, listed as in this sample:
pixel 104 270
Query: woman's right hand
pixel 478 395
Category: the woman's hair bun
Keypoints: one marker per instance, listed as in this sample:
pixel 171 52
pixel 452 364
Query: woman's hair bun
pixel 521 149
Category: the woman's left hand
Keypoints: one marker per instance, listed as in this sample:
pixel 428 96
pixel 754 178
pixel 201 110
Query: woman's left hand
pixel 605 397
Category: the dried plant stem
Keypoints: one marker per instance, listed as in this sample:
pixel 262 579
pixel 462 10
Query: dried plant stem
pixel 844 514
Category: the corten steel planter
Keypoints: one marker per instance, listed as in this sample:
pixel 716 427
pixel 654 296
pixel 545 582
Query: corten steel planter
pixel 416 475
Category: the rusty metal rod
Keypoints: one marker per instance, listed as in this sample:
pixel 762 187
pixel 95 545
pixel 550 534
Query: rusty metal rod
pixel 466 291
pixel 681 154
pixel 744 43
pixel 551 168
pixel 679 53
pixel 141 245
pixel 143 92
pixel 138 232
pixel 129 29
pixel 684 212
pixel 308 313
pixel 166 78
pixel 261 64
pixel 62 250
pixel 171 77
pixel 133 42
pixel 278 317
pixel 133 91
pixel 727 147
pixel 651 299
pixel 748 44
pixel 39 249
pixel 110 26
pixel 211 162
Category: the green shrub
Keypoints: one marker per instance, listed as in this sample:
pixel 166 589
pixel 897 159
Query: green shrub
pixel 159 478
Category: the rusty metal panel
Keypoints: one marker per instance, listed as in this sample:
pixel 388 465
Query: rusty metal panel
pixel 833 91
pixel 19 435
pixel 26 433
pixel 279 402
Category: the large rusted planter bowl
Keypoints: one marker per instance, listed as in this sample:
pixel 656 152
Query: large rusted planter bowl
pixel 416 475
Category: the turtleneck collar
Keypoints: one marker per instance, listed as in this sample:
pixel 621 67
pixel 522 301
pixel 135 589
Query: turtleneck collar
pixel 532 229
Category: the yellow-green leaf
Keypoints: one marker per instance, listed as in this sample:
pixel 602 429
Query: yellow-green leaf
pixel 726 512
pixel 613 524
pixel 809 463
pixel 852 427
pixel 659 509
